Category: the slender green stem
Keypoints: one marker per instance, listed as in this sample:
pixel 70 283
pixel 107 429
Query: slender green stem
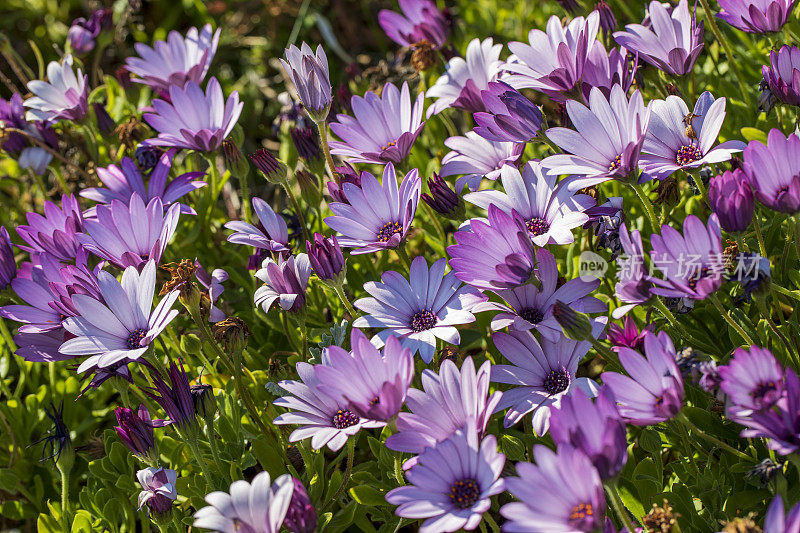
pixel 192 443
pixel 401 251
pixel 616 502
pixel 761 246
pixel 245 195
pixel 762 307
pixel 339 288
pixel 436 224
pixel 739 236
pixel 296 206
pixel 351 449
pixel 742 333
pixel 398 470
pixel 492 524
pixel 212 442
pixel 701 188
pixel 176 521
pixel 681 417
pixel 65 518
pixel 797 235
pixel 323 137
pixel 647 204
pixel 731 60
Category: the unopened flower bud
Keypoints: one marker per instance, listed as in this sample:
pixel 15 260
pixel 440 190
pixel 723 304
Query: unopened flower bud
pixel 443 199
pixel 105 123
pixel 309 186
pixel 326 258
pixel 301 516
pixel 205 404
pixel 273 169
pixel 608 22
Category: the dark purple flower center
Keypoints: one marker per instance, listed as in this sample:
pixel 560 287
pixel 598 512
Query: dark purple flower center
pixel 387 230
pixel 465 493
pixel 688 154
pixel 532 315
pixel 423 320
pixel 388 145
pixel 344 419
pixel 659 401
pixel 581 514
pixel 537 226
pixel 135 338
pixel 763 389
pixel 615 163
pixel 556 381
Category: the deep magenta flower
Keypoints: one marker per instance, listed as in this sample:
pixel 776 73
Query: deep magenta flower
pixel 376 217
pixel 475 158
pixel 285 281
pixel 654 391
pixel 608 141
pixel 673 41
pixel 63 97
pixel 135 430
pixel 731 199
pixel 174 395
pixel 382 129
pixel 756 16
pixel 130 234
pixel 561 492
pixel 627 336
pixel 420 20
pixel 753 380
pixel 372 382
pixel 56 232
pixel 176 61
pixel 461 84
pixel 273 235
pixel 158 489
pixel 773 170
pixel 326 258
pixel 780 425
pixel 192 119
pixel 782 76
pixel 8 263
pixel 311 78
pixel 301 517
pixel 692 263
pixel 509 116
pixel 452 483
pixel 635 285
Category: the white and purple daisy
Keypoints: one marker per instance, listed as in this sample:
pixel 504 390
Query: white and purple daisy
pixel 474 158
pixel 285 281
pixel 63 97
pixel 274 236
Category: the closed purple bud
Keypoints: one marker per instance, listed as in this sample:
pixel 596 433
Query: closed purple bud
pixel 81 37
pixel 105 123
pixel 570 6
pixel 301 516
pixel 731 198
pixel 101 19
pixel 305 141
pixel 135 430
pixel 269 165
pixel 347 174
pixel 147 157
pixel 608 22
pixel 443 199
pixel 326 258
pixel 8 265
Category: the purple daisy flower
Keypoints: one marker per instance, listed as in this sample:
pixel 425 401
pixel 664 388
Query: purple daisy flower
pixel 782 76
pixel 212 282
pixel 383 128
pixel 635 285
pixel 135 430
pixel 475 158
pixel 654 391
pixel 285 281
pixel 376 217
pixel 561 492
pixel 56 232
pixel 509 116
pixel 260 506
pixel 452 483
pixel 780 424
pixel 274 237
pixel 64 97
pixel 731 199
pixel 65 281
pixel 176 61
pixel 608 141
pixel 122 181
pixel 29 155
pixel 122 328
pixel 174 395
pixel 158 489
pixel 326 420
pixel 595 428
pixel 753 380
pixel 32 285
pixel 41 347
pixel 461 84
pixel 627 336
pixel 301 517
pixel 530 307
pixel 668 148
pixel 773 171
pixel 777 522
pixel 673 41
pixel 371 382
pixel 419 310
pixel 493 253
pixel 311 78
pixel 192 119
pixel 756 16
pixel 450 400
pixel 554 61
pixel 692 263
pixel 8 263
pixel 604 70
pixel 542 374
pixel 550 211
pixel 420 20
pixel 132 234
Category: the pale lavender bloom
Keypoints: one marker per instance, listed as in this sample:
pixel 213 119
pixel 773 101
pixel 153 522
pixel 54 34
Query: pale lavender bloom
pixel 420 20
pixel 756 16
pixel 673 41
pixel 634 286
pixel 311 78
pixel 213 284
pixel 257 507
pixel 123 327
pixel 418 311
pixel 540 374
pixel 158 489
pixel 132 234
pixel 274 236
pixel 383 128
pixel 192 119
pixel 376 217
pixel 667 148
pixel 32 286
pixel 63 96
pixel 773 171
pixel 604 70
pixel 56 232
pixel 551 211
pixel 461 85
pixel 509 116
pixel 608 140
pixel 475 158
pixel 452 483
pixel 285 281
pixel 528 307
pixel 326 420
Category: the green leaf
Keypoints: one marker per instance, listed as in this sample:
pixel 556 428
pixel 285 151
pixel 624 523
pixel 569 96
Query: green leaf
pixel 650 441
pixel 366 495
pixel 754 134
pixel 512 447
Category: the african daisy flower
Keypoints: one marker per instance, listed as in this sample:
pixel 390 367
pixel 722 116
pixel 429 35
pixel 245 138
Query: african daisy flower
pixel 509 116
pixel 781 76
pixel 420 20
pixel 759 16
pixel 285 281
pixel 274 236
pixel 475 158
pixel 32 286
pixel 56 232
pixel 383 128
pixel 668 148
pixel 376 217
pixel 452 483
pixel 530 307
pixel 192 119
pixel 132 234
pixel 542 374
pixel 608 141
pixel 753 380
pixel 324 419
pixel 672 43
pixel 176 61
pixel 28 154
pixel 780 424
pixel 654 391
pixel 8 264
pixel 158 489
pixel 461 84
pixel 418 311
pixel 773 171
pixel 550 211
pixel 64 97
pixel 260 506
pixel 122 328
pixel 372 382
pixel 311 78
pixel 634 286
